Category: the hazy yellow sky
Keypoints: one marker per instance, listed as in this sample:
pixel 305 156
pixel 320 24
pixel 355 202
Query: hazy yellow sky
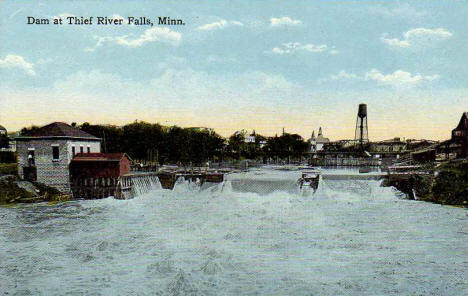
pixel 293 64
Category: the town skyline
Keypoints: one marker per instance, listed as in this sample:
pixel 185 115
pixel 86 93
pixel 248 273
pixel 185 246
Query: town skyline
pixel 296 65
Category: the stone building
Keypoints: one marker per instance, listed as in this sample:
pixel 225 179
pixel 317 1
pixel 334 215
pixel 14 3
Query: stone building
pixel 44 154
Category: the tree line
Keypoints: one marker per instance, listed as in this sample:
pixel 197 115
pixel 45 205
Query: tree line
pixel 152 142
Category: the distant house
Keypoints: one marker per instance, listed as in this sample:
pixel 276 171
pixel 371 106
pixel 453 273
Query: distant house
pixel 313 143
pixel 389 146
pixel 44 154
pixel 3 131
pixel 460 135
pixel 424 155
pixel 250 138
pixel 317 143
pixel 201 129
pixel 4 142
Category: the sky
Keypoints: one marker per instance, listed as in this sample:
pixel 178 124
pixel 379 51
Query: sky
pixel 234 65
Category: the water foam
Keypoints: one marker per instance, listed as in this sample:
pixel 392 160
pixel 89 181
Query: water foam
pixel 349 238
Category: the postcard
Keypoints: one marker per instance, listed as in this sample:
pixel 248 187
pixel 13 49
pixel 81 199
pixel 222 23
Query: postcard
pixel 233 147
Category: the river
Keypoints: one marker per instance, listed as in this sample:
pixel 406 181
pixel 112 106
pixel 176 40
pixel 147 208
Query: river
pixel 349 238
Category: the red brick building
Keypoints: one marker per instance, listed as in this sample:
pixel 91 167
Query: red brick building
pixel 99 165
pixel 96 175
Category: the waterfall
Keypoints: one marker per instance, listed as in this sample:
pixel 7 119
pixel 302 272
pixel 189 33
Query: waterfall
pixel 414 194
pixel 181 185
pixel 144 184
pixel 223 187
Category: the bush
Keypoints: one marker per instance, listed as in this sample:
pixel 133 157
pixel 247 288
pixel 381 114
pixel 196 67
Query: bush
pixel 7 157
pixel 451 184
pixel 10 192
pixel 422 184
pixel 8 169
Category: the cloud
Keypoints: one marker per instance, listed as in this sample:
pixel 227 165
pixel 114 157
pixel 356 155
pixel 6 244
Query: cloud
pixel 400 11
pixel 97 82
pixel 172 88
pixel 236 23
pixel 284 21
pixel 294 47
pixel 397 79
pixel 344 75
pixel 212 58
pixel 419 37
pixel 221 24
pixel 162 35
pixel 15 61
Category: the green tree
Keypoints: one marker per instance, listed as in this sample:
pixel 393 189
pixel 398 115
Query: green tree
pixel 4 141
pixel 286 147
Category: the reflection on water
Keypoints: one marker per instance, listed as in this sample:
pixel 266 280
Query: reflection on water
pixel 350 238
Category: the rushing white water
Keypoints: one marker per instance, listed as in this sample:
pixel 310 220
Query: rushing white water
pixel 349 238
pixel 145 184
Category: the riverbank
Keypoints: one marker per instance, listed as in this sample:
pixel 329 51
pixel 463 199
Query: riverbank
pixel 14 191
pixel 449 185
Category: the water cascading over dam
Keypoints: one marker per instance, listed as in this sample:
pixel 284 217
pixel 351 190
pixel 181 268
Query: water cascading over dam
pixel 352 237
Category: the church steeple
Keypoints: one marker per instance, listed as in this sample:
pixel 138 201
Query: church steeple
pixel 320 131
pixel 313 135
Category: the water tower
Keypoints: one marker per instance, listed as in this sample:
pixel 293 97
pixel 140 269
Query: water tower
pixel 361 135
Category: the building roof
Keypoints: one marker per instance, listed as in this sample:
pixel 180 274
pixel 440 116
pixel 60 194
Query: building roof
pixel 99 157
pixel 58 130
pixel 393 141
pixel 321 139
pixel 463 125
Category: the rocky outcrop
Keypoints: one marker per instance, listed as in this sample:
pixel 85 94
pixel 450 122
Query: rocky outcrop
pixel 14 191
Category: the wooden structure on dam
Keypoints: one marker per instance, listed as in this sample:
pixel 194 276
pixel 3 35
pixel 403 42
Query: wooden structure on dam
pixel 97 175
pixel 100 175
pixel 127 185
pixel 167 180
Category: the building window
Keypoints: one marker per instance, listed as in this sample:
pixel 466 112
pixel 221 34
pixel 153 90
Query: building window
pixel 31 160
pixel 73 151
pixel 81 149
pixel 88 149
pixel 55 153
